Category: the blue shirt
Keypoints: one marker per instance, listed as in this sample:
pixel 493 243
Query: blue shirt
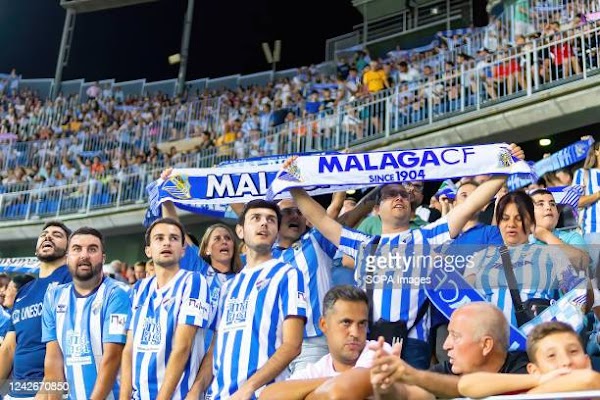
pixel 81 325
pixel 28 362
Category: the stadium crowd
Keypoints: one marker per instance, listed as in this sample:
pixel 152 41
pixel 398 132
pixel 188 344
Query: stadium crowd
pixel 265 319
pixel 257 311
pixel 110 138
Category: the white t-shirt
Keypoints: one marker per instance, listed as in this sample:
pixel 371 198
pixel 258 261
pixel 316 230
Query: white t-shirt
pixel 324 367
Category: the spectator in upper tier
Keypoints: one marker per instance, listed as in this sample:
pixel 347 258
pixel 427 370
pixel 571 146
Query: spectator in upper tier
pixel 375 78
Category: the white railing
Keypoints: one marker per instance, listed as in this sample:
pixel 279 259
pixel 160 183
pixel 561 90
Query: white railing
pixel 521 72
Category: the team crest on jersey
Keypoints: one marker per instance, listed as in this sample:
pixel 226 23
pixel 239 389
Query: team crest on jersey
pixel 96 306
pixel 262 284
pixel 215 293
pixel 167 302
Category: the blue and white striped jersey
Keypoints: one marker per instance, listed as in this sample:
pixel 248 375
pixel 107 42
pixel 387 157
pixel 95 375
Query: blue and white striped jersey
pixel 400 271
pixel 249 323
pixel 313 255
pixel 591 214
pixel 540 271
pixel 156 313
pixel 192 261
pixel 81 325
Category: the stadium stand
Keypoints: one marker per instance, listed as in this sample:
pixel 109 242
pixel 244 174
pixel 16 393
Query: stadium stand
pixel 98 144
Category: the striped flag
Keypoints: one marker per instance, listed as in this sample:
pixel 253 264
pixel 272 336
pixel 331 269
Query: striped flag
pixel 568 309
pixel 447 188
pixel 568 195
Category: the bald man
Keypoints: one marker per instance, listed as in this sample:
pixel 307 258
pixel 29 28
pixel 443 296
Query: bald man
pixel 477 342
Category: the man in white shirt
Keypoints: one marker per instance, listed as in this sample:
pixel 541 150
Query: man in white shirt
pixel 345 371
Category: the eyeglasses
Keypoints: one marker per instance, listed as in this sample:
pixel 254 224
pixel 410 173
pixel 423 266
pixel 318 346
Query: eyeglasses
pixel 291 210
pixel 394 193
pixel 413 186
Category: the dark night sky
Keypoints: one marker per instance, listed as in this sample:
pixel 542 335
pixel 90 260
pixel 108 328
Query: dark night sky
pixel 134 42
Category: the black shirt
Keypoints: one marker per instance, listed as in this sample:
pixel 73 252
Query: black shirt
pixel 515 363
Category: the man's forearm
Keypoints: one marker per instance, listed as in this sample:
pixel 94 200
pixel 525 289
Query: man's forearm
pixel 107 376
pixel 205 373
pixel 284 355
pixel 292 389
pixel 7 352
pixel 126 387
pixel 483 384
pixel 440 385
pixel 396 392
pixel 175 366
pixel 458 217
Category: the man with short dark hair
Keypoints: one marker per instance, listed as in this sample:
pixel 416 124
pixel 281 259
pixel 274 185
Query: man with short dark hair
pixel 344 372
pixel 261 313
pixel 23 351
pixel 169 315
pixel 83 324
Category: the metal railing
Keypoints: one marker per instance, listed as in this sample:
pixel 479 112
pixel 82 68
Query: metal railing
pixel 523 71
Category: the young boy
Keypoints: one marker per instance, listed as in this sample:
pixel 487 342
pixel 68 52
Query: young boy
pixel 558 364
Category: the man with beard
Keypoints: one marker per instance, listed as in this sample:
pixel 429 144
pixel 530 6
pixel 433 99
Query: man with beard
pixel 23 351
pixel 83 324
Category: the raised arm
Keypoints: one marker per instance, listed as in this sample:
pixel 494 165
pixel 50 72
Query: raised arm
pixel 337 202
pixel 458 217
pixel 317 216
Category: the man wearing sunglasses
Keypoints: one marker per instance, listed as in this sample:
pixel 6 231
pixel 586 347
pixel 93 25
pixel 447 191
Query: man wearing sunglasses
pixel 397 283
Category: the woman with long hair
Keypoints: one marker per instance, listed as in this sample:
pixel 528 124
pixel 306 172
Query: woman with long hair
pixel 589 178
pixel 539 270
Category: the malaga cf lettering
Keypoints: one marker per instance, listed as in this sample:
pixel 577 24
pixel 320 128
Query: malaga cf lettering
pixel 255 184
pixel 404 159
